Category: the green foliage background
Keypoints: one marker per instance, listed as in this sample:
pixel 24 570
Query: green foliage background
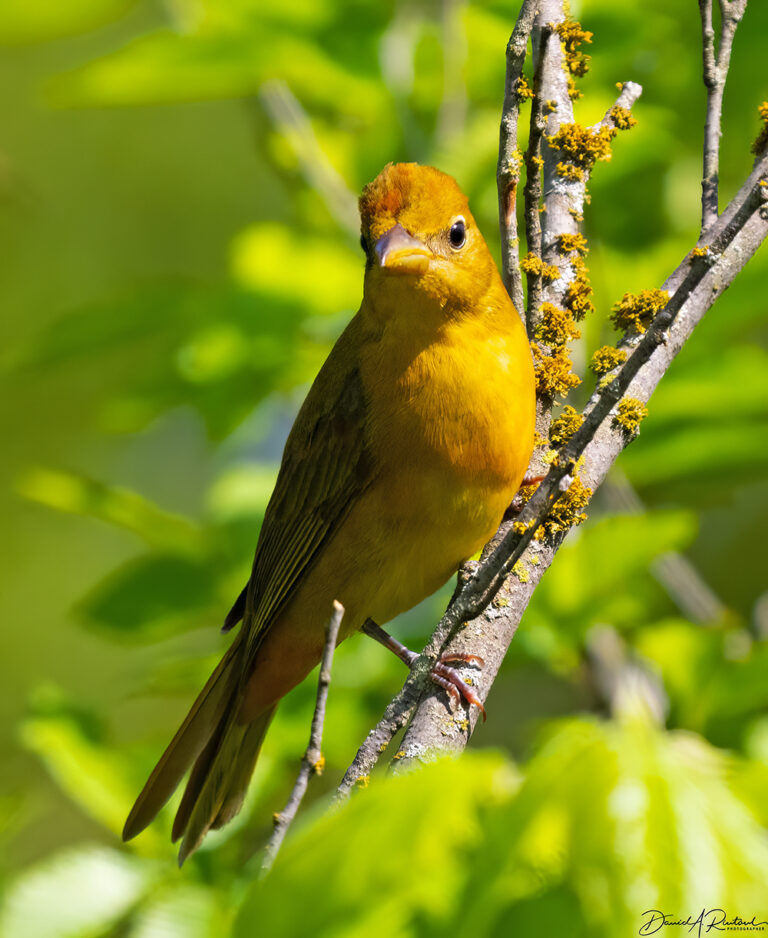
pixel 171 279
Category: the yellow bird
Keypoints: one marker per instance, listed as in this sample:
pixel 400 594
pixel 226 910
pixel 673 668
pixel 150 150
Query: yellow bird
pixel 411 444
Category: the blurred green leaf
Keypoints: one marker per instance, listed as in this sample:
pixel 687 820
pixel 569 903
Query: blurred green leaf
pixel 181 911
pixel 601 575
pixel 623 818
pixel 92 776
pixel 611 819
pixel 125 509
pixel 27 21
pixel 231 51
pixel 364 888
pixel 714 676
pixel 152 596
pixel 77 893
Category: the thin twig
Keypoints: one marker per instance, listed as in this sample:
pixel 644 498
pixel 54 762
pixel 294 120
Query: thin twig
pixel 312 761
pixel 682 582
pixel 508 168
pixel 715 72
pixel 290 119
pixel 533 163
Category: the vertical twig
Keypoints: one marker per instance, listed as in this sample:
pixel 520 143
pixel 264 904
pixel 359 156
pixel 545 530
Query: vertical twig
pixel 532 193
pixel 508 168
pixel 291 120
pixel 312 761
pixel 715 71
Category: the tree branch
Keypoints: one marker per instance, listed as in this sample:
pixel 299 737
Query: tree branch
pixel 694 286
pixel 488 604
pixel 312 762
pixel 508 169
pixel 715 72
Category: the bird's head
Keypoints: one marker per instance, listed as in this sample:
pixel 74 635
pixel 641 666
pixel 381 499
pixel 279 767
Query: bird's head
pixel 420 240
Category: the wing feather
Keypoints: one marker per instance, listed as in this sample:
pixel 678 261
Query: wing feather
pixel 324 470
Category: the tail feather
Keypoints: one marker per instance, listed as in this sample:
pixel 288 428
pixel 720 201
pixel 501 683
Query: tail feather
pixel 185 747
pixel 246 763
pixel 195 782
pixel 216 789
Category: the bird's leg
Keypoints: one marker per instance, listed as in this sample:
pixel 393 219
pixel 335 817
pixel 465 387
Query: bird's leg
pixel 446 677
pixel 517 503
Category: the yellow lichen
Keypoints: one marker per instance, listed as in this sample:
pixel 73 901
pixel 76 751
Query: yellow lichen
pixel 564 426
pixel 630 413
pixel 363 781
pixel 539 440
pixel 500 602
pixel 570 172
pixel 700 252
pixel 761 142
pixel 635 312
pixel 556 326
pixel 583 146
pixel 574 93
pixel 521 572
pixel 554 375
pixel 566 512
pixel 622 117
pixel 606 359
pixel 520 527
pixel 522 89
pixel 532 264
pixel 317 767
pixel 572 35
pixel 572 242
pixel 578 296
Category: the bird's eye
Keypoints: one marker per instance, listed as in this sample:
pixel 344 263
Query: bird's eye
pixel 363 244
pixel 458 234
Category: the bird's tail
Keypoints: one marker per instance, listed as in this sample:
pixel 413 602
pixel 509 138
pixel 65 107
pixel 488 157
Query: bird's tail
pixel 224 754
pixel 219 779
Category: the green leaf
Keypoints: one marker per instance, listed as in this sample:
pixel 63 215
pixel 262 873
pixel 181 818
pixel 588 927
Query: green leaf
pixel 624 817
pixel 121 507
pixel 231 53
pixel 77 893
pixel 601 575
pixel 92 776
pixel 28 21
pixel 392 856
pixel 154 595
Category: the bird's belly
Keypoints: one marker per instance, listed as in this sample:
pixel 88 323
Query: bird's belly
pixel 384 559
pixel 450 461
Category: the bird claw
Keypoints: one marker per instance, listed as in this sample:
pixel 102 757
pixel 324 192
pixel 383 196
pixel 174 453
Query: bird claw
pixel 444 676
pixel 453 683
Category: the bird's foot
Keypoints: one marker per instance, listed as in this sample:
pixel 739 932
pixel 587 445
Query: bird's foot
pixel 453 683
pixel 442 673
pixel 518 502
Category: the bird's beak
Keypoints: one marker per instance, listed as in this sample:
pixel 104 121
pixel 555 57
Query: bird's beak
pixel 401 253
